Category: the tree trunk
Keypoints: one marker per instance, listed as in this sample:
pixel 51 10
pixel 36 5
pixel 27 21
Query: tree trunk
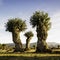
pixel 16 40
pixel 41 43
pixel 42 46
pixel 28 43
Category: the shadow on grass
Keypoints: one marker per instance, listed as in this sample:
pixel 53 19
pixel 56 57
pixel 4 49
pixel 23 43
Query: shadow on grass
pixel 29 58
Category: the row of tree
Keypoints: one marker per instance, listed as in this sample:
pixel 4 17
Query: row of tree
pixel 40 20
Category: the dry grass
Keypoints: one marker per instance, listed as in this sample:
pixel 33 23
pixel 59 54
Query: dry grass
pixel 29 55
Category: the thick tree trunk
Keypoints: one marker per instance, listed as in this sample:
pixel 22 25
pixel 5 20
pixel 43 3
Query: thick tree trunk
pixel 28 43
pixel 41 43
pixel 17 41
pixel 42 46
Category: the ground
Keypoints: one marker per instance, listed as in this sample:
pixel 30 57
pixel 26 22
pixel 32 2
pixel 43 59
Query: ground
pixel 29 55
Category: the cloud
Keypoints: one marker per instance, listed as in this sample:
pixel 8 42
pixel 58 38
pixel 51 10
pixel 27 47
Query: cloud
pixel 56 20
pixel 54 33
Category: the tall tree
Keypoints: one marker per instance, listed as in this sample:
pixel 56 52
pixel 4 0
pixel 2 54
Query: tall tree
pixel 15 26
pixel 41 21
pixel 29 35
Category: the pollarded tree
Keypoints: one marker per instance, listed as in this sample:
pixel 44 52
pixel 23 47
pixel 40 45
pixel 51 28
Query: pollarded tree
pixel 15 26
pixel 29 35
pixel 41 21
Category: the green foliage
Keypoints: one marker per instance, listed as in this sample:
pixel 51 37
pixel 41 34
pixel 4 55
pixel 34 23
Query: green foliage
pixel 15 23
pixel 40 18
pixel 41 21
pixel 29 34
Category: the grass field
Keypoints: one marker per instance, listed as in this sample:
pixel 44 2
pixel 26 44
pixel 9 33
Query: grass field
pixel 29 56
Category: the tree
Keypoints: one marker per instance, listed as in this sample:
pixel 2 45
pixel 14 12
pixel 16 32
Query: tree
pixel 29 35
pixel 41 21
pixel 4 46
pixel 15 26
pixel 58 46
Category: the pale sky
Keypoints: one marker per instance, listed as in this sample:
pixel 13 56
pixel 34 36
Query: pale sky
pixel 24 9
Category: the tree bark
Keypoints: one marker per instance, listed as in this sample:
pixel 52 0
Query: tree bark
pixel 41 43
pixel 16 40
pixel 42 46
pixel 28 43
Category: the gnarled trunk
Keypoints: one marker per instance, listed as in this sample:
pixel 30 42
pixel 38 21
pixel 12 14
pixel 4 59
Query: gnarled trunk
pixel 28 43
pixel 42 46
pixel 16 40
pixel 42 36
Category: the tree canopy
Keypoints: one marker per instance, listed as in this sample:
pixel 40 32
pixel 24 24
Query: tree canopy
pixel 15 23
pixel 29 34
pixel 40 18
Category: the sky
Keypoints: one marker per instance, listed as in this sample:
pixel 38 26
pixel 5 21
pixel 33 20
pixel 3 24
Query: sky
pixel 24 9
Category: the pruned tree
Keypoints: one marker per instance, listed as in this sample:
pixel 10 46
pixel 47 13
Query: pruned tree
pixel 41 21
pixel 29 35
pixel 16 25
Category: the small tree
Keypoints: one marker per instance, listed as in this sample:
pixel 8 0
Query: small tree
pixel 4 46
pixel 58 46
pixel 41 21
pixel 15 26
pixel 29 35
